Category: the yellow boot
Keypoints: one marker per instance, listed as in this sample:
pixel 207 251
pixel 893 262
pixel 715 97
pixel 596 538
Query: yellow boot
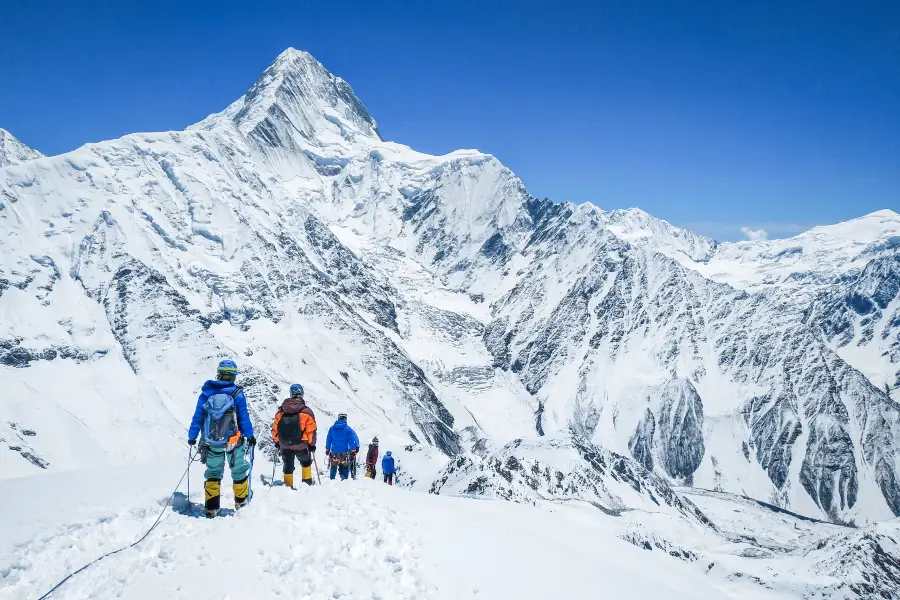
pixel 306 473
pixel 241 491
pixel 213 489
pixel 289 480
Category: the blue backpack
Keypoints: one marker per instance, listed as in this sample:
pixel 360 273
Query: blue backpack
pixel 220 421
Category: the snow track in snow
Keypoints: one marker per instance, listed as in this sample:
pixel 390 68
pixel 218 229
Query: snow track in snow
pixel 354 539
pixel 327 542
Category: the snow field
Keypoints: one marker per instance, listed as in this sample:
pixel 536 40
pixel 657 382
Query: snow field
pixel 354 539
pixel 327 542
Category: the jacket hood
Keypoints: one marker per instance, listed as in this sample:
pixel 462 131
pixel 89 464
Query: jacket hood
pixel 292 406
pixel 388 453
pixel 214 386
pixel 340 425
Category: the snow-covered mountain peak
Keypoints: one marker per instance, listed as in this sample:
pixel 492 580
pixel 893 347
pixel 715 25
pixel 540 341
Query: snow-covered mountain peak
pixel 809 260
pixel 14 152
pixel 298 102
pixel 862 230
pixel 643 229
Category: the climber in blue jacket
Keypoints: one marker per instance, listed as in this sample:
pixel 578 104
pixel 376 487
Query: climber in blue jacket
pixel 222 423
pixel 341 447
pixel 387 467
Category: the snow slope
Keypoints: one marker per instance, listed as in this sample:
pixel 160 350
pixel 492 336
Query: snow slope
pixel 341 540
pixel 363 539
pixel 438 303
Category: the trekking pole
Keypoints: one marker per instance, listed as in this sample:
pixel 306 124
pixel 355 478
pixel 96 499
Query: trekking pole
pixel 190 460
pixel 316 463
pixel 272 481
pixel 250 475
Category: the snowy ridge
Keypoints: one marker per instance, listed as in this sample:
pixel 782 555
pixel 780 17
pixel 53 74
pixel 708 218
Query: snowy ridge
pixel 813 259
pixel 641 229
pixel 354 540
pixel 14 152
pixel 564 468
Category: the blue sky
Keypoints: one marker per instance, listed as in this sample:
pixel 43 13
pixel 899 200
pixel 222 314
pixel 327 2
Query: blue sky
pixel 712 115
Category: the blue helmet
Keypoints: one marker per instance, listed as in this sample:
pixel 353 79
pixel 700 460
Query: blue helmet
pixel 227 366
pixel 388 453
pixel 296 390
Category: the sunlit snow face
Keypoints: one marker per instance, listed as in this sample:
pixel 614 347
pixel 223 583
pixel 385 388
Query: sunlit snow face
pixel 437 302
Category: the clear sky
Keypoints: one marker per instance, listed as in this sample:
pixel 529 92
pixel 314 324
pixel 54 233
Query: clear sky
pixel 712 115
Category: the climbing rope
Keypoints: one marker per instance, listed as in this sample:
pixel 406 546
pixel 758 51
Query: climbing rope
pixel 191 459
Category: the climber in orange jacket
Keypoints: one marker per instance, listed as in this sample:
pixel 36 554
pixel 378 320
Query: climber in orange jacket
pixel 294 433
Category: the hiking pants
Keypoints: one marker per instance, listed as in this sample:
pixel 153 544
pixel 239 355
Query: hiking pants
pixel 389 478
pixel 302 456
pixel 237 463
pixel 305 459
pixel 215 471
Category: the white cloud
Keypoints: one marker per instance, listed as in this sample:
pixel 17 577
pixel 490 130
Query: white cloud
pixel 755 235
pixel 731 232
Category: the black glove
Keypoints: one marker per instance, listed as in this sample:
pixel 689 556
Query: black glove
pixel 312 447
pixel 278 446
pixel 192 442
pixel 251 441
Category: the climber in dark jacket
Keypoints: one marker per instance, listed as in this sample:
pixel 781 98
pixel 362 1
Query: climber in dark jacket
pixel 294 434
pixel 372 459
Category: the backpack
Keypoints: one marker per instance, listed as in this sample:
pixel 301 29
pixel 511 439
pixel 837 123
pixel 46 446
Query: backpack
pixel 220 420
pixel 289 433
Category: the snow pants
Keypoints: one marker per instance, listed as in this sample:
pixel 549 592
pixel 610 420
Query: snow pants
pixel 389 478
pixel 305 460
pixel 215 472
